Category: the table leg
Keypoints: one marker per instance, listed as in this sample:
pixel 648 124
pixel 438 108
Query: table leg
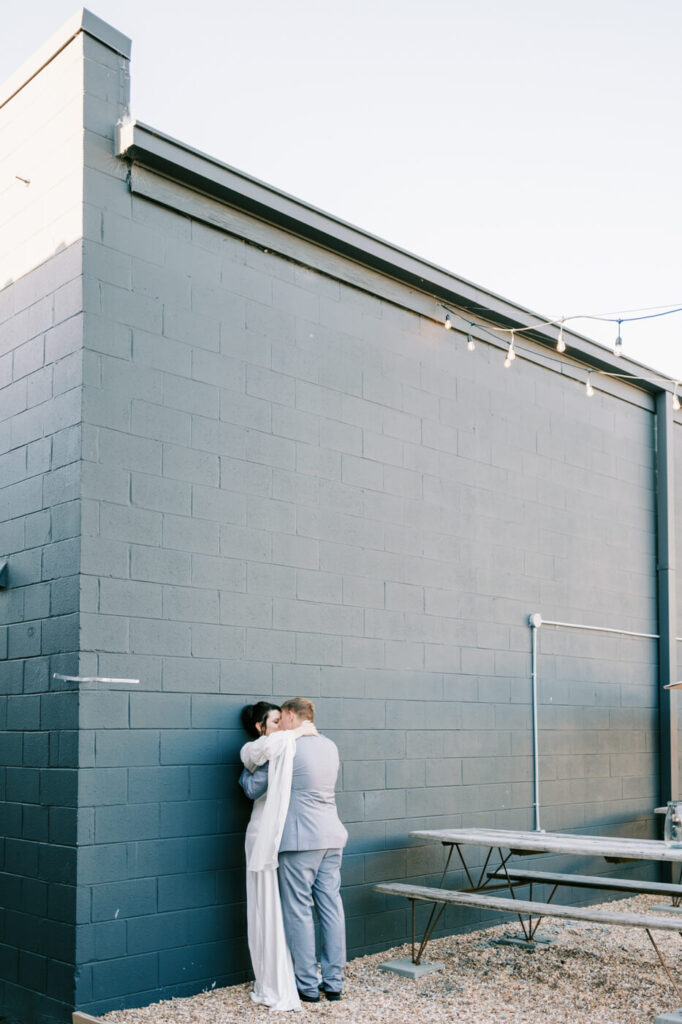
pixel 664 966
pixel 431 923
pixel 482 875
pixel 528 928
pixel 534 928
pixel 527 932
pixel 437 909
pixel 430 928
pixel 677 899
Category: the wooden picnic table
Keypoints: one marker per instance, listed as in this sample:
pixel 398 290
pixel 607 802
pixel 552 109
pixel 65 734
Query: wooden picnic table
pixel 611 848
pixel 510 843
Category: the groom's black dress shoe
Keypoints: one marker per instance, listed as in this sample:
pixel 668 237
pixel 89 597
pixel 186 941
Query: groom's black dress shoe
pixel 307 999
pixel 333 997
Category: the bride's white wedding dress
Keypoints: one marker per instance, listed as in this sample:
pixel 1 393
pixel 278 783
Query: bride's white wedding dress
pixel 275 985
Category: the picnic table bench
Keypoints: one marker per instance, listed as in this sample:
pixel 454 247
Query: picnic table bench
pixel 531 908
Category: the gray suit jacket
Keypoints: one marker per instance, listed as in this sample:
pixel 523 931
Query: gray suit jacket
pixel 312 822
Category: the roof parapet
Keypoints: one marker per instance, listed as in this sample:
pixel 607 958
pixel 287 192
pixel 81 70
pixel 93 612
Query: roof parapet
pixel 82 21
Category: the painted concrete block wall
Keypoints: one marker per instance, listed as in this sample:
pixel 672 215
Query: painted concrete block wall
pixel 41 165
pixel 41 376
pixel 304 488
pixel 41 332
pixel 287 478
pixel 39 534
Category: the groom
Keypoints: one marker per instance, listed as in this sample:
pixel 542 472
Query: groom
pixel 310 859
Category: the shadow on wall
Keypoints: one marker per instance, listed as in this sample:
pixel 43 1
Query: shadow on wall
pixel 59 248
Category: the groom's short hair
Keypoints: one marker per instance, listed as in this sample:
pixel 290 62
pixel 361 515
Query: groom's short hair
pixel 300 706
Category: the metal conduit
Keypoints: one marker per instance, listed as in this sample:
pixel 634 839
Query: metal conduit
pixel 535 621
pixel 601 629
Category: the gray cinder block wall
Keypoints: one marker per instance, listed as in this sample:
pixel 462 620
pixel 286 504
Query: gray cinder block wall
pixel 39 526
pixel 286 477
pixel 41 343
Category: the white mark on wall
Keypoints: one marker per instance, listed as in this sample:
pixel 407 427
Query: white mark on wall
pixel 92 679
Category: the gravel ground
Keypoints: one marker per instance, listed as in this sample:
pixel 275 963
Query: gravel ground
pixel 591 974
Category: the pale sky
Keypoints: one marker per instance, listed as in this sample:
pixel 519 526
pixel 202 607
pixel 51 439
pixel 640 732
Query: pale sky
pixel 532 146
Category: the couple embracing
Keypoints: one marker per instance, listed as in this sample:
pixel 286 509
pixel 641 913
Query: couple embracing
pixel 294 843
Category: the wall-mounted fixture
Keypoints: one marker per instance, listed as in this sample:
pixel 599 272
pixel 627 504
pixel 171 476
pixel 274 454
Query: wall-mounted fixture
pixel 4 574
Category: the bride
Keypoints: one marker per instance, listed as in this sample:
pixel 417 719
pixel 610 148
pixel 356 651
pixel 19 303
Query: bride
pixel 271 751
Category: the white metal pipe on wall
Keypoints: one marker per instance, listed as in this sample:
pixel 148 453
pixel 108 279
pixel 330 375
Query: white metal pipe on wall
pixel 535 621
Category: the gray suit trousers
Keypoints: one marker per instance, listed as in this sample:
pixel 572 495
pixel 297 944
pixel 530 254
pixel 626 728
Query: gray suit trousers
pixel 307 877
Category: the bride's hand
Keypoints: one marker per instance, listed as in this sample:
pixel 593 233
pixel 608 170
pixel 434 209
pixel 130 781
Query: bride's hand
pixel 306 729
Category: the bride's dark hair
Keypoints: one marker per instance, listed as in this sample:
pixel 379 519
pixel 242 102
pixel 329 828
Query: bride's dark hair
pixel 254 714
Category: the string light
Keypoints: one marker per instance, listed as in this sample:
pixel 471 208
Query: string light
pixel 602 317
pixel 618 343
pixel 561 345
pixel 494 332
pixel 511 354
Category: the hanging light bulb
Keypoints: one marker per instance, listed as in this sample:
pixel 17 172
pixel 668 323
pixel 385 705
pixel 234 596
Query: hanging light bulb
pixel 589 390
pixel 470 343
pixel 676 400
pixel 448 322
pixel 618 343
pixel 511 354
pixel 561 344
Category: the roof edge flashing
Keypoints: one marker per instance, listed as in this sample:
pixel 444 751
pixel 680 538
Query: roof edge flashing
pixel 150 148
pixel 140 143
pixel 82 21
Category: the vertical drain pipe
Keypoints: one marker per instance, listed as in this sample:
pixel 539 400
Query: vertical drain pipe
pixel 669 785
pixel 535 621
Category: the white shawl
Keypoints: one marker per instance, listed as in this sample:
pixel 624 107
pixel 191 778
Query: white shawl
pixel 278 749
